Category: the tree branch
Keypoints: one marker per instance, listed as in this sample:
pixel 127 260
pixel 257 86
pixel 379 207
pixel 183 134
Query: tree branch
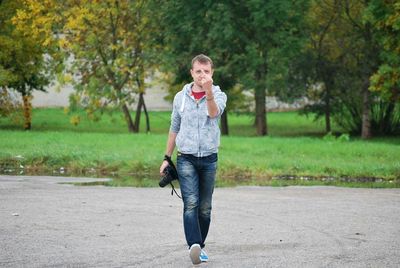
pixel 352 20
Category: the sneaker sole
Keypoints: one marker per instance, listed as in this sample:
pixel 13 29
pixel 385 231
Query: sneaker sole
pixel 203 259
pixel 195 255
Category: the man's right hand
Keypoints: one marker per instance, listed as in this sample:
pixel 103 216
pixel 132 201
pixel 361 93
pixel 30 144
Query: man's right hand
pixel 163 166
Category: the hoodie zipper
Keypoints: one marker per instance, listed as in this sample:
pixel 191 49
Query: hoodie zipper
pixel 198 127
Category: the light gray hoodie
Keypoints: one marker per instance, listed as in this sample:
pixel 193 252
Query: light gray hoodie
pixel 198 134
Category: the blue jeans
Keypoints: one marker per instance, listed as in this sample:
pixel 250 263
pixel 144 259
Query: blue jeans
pixel 196 180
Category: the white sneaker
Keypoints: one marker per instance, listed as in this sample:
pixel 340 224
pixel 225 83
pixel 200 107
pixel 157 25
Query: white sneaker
pixel 194 253
pixel 203 256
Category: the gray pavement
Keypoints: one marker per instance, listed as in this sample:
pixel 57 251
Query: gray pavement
pixel 47 224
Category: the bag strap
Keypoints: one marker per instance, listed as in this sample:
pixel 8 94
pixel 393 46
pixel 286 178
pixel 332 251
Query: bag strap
pixel 174 191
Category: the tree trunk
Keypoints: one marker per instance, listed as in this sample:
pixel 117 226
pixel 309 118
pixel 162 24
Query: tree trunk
pixel 138 113
pixel 324 71
pixel 141 104
pixel 366 113
pixel 140 85
pixel 146 115
pixel 261 113
pixel 327 119
pixel 128 118
pixel 224 123
pixel 369 68
pixel 327 110
pixel 27 111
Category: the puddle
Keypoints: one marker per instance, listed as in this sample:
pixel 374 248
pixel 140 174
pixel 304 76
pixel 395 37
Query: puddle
pixel 151 180
pixel 92 183
pixel 330 179
pixel 116 179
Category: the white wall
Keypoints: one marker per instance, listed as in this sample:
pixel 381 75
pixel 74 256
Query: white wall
pixel 154 98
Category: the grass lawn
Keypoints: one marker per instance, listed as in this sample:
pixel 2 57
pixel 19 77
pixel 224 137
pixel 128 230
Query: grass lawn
pixel 55 119
pixel 295 150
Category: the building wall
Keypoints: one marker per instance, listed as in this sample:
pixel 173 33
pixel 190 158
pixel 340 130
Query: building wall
pixel 154 98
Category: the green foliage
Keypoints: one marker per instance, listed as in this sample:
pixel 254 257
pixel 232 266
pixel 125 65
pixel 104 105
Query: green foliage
pixel 319 65
pixel 23 55
pixel 25 63
pixel 386 81
pixel 342 138
pixel 6 76
pixel 273 35
pixel 329 137
pixel 386 16
pixel 385 117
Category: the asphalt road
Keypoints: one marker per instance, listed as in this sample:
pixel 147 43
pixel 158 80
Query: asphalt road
pixel 44 223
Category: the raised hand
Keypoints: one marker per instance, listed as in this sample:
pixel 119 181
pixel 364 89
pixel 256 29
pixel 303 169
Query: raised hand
pixel 206 83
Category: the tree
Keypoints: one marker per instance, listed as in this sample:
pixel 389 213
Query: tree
pixel 24 67
pixel 320 60
pixel 270 34
pixel 362 50
pixel 345 51
pixel 108 42
pixel 105 43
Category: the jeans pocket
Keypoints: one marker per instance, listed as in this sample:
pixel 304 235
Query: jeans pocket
pixel 212 158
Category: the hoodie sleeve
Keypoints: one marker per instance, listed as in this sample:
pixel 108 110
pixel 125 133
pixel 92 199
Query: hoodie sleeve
pixel 220 99
pixel 175 116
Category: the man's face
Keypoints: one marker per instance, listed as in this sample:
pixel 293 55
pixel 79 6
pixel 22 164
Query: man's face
pixel 200 71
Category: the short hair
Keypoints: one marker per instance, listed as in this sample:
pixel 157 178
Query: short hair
pixel 203 59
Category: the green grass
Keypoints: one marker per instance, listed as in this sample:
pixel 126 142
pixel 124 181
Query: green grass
pixel 55 119
pixel 295 147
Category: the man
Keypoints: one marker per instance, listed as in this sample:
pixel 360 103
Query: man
pixel 195 132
